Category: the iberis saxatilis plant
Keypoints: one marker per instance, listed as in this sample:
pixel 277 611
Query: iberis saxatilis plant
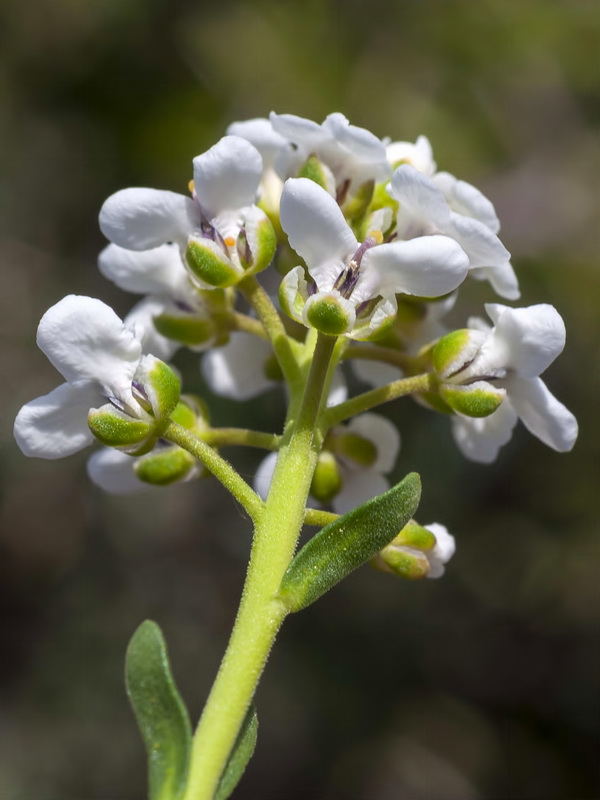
pixel 300 249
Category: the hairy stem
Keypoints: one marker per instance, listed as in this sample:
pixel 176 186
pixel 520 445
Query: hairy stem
pixel 260 614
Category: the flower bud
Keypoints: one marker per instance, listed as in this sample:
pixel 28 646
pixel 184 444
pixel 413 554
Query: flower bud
pixel 356 448
pixel 165 466
pixel 357 206
pixel 327 479
pixel 329 313
pixel 417 552
pixel 189 330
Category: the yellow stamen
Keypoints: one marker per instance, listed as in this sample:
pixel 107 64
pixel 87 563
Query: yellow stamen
pixel 229 241
pixel 191 187
pixel 377 235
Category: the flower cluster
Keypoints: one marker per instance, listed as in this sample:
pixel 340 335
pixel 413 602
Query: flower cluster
pixel 369 244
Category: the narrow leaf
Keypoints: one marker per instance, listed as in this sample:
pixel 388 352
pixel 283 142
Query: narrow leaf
pixel 160 712
pixel 348 542
pixel 240 755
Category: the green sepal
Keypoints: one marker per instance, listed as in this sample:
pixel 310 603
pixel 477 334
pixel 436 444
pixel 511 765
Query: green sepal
pixel 355 209
pixel 184 415
pixel 405 564
pixel 164 466
pixel 264 244
pixel 160 712
pixel 241 754
pixel 161 385
pixel 314 171
pixel 326 480
pixel 349 541
pixel 472 400
pixel 114 428
pixel 414 535
pixel 210 265
pixel 448 354
pixel 185 328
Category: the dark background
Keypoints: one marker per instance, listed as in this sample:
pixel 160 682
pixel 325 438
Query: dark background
pixel 482 685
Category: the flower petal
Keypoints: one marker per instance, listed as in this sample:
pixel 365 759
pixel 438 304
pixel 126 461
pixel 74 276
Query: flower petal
pixel 153 271
pixel 383 434
pixel 443 551
pixel 140 219
pixel 357 488
pixel 363 145
pixel 419 199
pixel 428 266
pixel 526 340
pixel 85 340
pixel 316 229
pixel 298 130
pixel 482 246
pixel 227 176
pixel 55 425
pixel 141 320
pixel 502 278
pixel 260 133
pixel 465 199
pixel 113 472
pixel 480 439
pixel 419 155
pixel 237 370
pixel 264 475
pixel 542 414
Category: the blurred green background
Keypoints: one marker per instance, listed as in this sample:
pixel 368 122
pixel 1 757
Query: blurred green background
pixel 483 685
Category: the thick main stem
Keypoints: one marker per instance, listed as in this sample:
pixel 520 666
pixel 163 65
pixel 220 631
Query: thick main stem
pixel 260 615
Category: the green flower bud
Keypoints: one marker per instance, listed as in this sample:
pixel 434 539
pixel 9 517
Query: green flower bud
pixel 354 447
pixel 185 328
pixel 329 314
pixel 404 563
pixel 327 480
pixel 165 466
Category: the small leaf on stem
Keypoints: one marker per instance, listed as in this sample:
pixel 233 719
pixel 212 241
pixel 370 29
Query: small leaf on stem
pixel 240 755
pixel 349 541
pixel 160 712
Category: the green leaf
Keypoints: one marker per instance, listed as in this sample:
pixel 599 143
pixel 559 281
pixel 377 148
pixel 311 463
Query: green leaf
pixel 160 712
pixel 348 542
pixel 240 755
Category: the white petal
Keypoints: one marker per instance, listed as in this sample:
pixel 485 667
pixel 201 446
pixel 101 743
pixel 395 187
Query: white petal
pixel 237 370
pixel 383 434
pixel 357 488
pixel 482 246
pixel 264 475
pixel 85 340
pixel 153 271
pixel 363 145
pixel 481 439
pixel 113 472
pixel 338 389
pixel 141 319
pixel 226 177
pixel 467 200
pixel 139 219
pixel 419 197
pixel 260 133
pixel 428 266
pixel 55 425
pixel 502 278
pixel 419 154
pixel 316 229
pixel 375 373
pixel 527 340
pixel 298 130
pixel 442 552
pixel 542 414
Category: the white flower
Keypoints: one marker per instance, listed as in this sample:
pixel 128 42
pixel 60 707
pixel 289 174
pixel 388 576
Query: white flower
pixel 364 451
pixel 113 471
pixel 512 355
pixel 419 155
pixel 445 205
pixel 238 370
pixel 221 216
pixel 100 358
pixel 354 284
pixel 351 154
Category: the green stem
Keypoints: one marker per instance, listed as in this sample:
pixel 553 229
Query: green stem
pixel 271 321
pixel 382 394
pixel 260 615
pixel 226 437
pixel 216 464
